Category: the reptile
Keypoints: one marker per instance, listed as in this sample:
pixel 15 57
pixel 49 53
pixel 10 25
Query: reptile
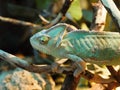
pixel 66 42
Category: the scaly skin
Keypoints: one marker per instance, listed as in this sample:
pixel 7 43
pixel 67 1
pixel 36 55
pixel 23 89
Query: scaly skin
pixel 94 47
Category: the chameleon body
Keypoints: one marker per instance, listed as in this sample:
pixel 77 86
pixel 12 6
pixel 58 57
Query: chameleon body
pixel 101 48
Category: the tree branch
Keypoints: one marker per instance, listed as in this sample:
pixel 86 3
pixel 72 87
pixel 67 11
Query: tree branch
pixel 47 68
pixel 99 17
pixel 66 6
pixel 114 73
pixel 70 82
pixel 113 11
pixel 19 22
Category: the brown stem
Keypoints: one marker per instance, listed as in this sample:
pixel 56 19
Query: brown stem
pixel 19 22
pixel 99 18
pixel 114 73
pixel 70 82
pixel 66 6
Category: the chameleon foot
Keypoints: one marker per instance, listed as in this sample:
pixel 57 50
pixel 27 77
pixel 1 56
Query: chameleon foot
pixel 80 68
pixel 79 64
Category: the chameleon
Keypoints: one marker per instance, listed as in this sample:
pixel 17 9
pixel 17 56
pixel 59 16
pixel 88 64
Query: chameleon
pixel 80 46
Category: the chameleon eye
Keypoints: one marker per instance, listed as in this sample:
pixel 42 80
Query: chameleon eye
pixel 44 40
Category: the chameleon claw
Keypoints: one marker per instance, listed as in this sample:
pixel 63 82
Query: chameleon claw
pixel 80 68
pixel 79 64
pixel 78 71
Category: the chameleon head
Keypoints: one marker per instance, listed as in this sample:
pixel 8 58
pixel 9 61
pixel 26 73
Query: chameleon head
pixel 39 41
pixel 47 41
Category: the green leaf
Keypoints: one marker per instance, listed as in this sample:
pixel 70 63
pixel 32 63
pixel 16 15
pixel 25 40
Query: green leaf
pixel 75 10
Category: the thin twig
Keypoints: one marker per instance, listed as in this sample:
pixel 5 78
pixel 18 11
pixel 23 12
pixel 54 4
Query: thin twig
pixel 45 21
pixel 19 22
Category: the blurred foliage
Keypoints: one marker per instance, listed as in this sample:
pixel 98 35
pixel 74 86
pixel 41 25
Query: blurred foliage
pixel 75 10
pixel 43 4
pixel 88 15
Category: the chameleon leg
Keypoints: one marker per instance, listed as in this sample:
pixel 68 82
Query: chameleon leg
pixel 79 63
pixel 80 68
